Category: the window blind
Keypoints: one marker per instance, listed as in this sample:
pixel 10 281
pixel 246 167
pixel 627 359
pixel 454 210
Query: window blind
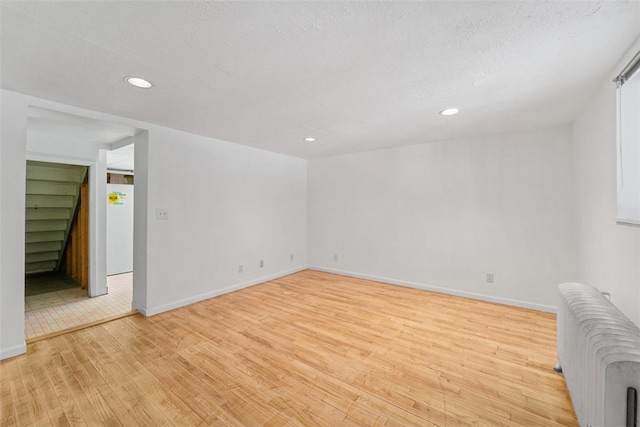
pixel 628 142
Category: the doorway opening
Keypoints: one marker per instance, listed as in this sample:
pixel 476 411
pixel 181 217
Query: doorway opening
pixel 66 283
pixel 57 258
pixel 56 232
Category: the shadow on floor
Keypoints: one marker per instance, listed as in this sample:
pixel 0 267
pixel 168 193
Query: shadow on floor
pixel 42 283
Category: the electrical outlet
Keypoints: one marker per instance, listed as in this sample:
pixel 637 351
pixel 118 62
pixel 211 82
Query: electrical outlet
pixel 291 257
pixel 240 269
pixel 335 257
pixel 162 213
pixel 489 277
pixel 261 263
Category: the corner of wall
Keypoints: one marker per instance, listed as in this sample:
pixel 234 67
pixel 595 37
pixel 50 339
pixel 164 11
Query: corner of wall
pixel 13 351
pixel 140 213
pixel 13 134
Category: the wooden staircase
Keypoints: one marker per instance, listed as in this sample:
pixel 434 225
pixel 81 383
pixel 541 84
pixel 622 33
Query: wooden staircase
pixel 51 201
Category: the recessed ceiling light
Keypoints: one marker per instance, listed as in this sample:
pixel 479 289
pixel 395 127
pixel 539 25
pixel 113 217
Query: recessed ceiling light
pixel 449 112
pixel 310 139
pixel 138 82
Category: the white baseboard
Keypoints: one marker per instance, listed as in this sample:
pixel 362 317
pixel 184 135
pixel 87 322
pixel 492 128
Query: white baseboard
pixel 481 297
pixel 140 309
pixel 150 311
pixel 13 351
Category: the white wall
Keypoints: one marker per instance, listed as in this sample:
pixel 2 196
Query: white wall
pixel 13 120
pixel 442 215
pixel 241 205
pixel 228 205
pixel 608 253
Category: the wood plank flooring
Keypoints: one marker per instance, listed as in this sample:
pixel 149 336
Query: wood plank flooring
pixel 307 349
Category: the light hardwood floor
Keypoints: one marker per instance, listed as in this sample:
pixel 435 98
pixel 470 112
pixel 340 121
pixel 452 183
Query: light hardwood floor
pixel 307 349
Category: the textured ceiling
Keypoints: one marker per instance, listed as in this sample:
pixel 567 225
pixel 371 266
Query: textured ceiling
pixel 355 75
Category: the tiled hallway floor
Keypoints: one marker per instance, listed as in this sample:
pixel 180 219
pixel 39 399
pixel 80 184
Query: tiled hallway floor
pixel 55 311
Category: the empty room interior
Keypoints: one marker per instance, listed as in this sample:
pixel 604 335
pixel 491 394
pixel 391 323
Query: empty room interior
pixel 346 213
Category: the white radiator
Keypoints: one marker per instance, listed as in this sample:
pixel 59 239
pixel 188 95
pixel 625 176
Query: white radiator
pixel 599 354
